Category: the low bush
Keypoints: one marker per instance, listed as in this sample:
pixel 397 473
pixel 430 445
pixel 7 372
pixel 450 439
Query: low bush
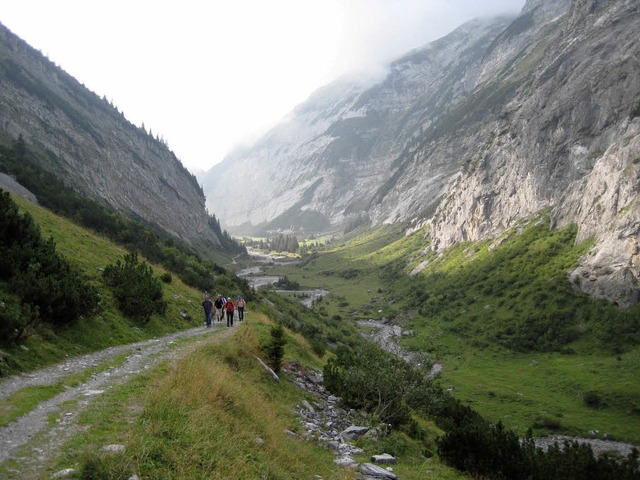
pixel 274 348
pixel 592 399
pixel 369 378
pixel 138 292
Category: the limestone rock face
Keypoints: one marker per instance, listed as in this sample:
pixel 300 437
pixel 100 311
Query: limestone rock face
pixel 567 140
pixel 336 157
pixel 93 148
pixel 469 135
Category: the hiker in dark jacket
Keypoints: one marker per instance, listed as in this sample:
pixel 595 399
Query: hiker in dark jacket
pixel 218 306
pixel 207 306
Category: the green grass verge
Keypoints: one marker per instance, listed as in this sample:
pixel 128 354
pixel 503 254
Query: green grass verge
pixel 216 414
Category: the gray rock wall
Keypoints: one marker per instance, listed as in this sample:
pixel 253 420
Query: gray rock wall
pixel 89 144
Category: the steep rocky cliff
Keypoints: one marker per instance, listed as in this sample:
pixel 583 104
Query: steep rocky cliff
pixel 469 135
pixel 568 139
pixel 91 145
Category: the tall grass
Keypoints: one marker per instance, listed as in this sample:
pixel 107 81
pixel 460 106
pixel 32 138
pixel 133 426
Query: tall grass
pixel 218 415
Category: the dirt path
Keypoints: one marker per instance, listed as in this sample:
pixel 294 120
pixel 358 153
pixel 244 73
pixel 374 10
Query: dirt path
pixel 16 439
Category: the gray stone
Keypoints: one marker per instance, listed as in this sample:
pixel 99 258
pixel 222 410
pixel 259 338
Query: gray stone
pixel 384 458
pixel 67 472
pixel 374 471
pixel 346 461
pixel 353 433
pixel 114 448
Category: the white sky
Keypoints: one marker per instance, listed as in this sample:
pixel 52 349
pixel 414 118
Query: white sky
pixel 207 75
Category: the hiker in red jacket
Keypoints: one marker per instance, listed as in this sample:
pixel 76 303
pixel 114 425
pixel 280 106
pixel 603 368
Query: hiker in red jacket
pixel 229 307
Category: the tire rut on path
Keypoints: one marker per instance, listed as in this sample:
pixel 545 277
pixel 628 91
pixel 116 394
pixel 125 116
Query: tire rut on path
pixel 139 357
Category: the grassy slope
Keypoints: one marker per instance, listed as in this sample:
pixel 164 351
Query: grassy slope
pixel 497 319
pixel 91 253
pixel 215 414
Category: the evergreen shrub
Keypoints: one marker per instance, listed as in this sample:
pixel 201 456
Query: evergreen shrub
pixel 274 348
pixel 138 291
pixel 39 283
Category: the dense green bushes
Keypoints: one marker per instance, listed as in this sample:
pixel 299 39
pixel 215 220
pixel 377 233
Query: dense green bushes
pixel 494 452
pixel 40 284
pixel 138 291
pixel 391 389
pixel 384 385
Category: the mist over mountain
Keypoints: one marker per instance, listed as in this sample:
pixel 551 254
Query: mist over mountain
pixel 469 135
pixel 88 143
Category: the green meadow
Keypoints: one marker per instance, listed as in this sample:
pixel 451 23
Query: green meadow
pixel 516 341
pixel 90 254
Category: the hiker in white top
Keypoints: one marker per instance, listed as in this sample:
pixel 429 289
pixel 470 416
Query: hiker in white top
pixel 240 304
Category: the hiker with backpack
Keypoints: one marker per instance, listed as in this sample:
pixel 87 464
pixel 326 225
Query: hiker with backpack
pixel 229 307
pixel 240 304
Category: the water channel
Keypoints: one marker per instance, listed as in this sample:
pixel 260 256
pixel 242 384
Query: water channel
pixel 257 278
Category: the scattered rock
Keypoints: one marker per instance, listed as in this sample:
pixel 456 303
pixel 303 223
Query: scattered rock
pixel 113 448
pixel 384 458
pixel 325 421
pixel 371 471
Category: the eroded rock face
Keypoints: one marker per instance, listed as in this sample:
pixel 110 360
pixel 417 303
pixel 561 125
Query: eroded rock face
pixel 92 146
pixel 337 158
pixel 471 134
pixel 569 140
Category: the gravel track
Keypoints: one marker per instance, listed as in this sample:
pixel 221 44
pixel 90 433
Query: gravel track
pixel 32 439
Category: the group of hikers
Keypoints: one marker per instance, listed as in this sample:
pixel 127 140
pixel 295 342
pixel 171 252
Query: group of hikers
pixel 223 306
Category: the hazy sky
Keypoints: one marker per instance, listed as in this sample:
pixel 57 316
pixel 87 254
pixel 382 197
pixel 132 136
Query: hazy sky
pixel 206 75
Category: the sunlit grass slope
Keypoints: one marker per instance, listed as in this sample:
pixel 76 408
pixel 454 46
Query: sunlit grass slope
pixel 90 253
pixel 516 340
pixel 216 414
